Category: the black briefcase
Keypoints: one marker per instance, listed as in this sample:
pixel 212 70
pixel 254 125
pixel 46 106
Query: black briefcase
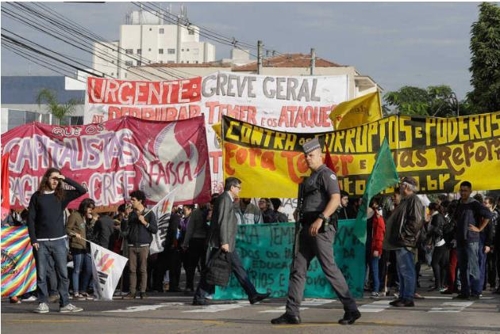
pixel 219 269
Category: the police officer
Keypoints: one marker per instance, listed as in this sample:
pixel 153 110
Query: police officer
pixel 319 195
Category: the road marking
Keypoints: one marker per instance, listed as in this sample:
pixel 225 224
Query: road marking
pixel 317 302
pixel 215 308
pixel 375 307
pixel 142 308
pixel 451 307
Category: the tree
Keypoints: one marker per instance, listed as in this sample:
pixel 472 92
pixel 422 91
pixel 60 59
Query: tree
pixel 438 101
pixel 485 60
pixel 59 111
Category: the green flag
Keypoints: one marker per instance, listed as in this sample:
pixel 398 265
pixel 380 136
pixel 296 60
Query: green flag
pixel 384 175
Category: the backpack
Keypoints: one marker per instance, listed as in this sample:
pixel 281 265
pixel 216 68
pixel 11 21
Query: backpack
pixel 449 230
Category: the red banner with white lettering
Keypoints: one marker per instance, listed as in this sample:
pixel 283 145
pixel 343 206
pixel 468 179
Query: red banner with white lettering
pixel 113 158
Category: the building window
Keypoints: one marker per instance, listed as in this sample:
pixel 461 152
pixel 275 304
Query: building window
pixel 171 51
pixel 139 63
pixel 191 31
pixel 187 50
pixel 129 63
pixel 187 62
pixel 139 51
pixel 150 29
pixel 129 51
pixel 149 49
pixel 112 74
pixel 170 62
pixel 160 51
pixel 182 50
pixel 161 31
pixel 196 62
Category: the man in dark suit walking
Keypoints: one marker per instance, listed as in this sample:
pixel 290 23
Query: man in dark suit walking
pixel 223 228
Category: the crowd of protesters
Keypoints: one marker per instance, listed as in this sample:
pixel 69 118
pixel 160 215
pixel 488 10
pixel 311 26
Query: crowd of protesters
pixel 458 240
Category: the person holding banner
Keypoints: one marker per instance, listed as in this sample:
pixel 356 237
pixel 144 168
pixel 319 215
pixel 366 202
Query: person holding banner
pixel 223 227
pixel 48 234
pixel 319 198
pixel 141 226
pixel 77 231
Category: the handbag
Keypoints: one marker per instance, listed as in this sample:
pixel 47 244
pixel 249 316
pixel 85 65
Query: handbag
pixel 219 269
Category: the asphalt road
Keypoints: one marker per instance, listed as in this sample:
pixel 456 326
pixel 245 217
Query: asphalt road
pixel 173 313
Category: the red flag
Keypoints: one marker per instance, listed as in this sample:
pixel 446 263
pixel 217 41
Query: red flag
pixel 5 186
pixel 329 163
pixel 328 160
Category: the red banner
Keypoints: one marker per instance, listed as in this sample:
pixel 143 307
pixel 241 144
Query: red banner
pixel 5 186
pixel 113 158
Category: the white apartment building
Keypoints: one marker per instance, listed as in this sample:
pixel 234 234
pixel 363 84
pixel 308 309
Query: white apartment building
pixel 145 40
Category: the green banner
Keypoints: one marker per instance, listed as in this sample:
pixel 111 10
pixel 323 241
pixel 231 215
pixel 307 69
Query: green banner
pixel 266 254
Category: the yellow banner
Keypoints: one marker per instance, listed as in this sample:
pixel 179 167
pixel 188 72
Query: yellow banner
pixel 361 110
pixel 439 152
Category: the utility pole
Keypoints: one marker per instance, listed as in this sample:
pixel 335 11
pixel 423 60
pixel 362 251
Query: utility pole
pixel 313 60
pixel 259 57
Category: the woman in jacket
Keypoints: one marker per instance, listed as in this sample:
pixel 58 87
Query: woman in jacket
pixel 375 239
pixel 435 239
pixel 76 229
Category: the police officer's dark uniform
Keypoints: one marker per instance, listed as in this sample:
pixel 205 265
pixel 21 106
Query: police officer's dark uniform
pixel 315 194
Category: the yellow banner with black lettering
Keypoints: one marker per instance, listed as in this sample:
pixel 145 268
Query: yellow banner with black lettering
pixel 439 152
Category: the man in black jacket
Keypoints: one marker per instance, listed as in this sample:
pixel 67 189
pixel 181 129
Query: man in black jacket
pixel 140 229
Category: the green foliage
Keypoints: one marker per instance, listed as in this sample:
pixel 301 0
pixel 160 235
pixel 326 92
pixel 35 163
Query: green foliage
pixel 59 111
pixel 439 101
pixel 485 60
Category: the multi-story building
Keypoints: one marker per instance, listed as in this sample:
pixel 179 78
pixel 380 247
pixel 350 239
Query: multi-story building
pixel 146 39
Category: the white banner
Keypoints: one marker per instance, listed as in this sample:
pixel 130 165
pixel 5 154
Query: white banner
pixel 107 268
pixel 162 210
pixel 285 103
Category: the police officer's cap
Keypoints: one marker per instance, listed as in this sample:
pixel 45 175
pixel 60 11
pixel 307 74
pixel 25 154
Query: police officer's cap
pixel 311 145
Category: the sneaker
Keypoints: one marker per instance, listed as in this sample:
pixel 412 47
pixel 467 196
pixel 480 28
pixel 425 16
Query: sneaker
pixel 143 295
pixel 129 296
pixel 54 298
pixel 30 299
pixel 70 308
pixel 42 308
pixel 375 295
pixel 78 296
pixel 14 300
pixel 166 287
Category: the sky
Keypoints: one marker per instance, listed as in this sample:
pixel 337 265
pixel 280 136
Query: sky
pixel 395 43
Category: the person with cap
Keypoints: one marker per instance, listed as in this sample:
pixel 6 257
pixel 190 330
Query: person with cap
pixel 403 229
pixel 319 198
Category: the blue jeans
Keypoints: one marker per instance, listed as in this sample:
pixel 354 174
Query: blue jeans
pixel 58 252
pixel 375 275
pixel 482 267
pixel 204 289
pixel 468 264
pixel 406 272
pixel 77 270
pixel 87 273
